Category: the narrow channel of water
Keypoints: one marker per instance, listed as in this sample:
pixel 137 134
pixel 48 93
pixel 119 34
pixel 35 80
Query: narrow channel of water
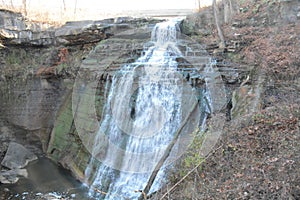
pixel 45 180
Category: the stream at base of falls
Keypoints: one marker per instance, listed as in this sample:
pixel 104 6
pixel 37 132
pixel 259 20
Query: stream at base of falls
pixel 46 181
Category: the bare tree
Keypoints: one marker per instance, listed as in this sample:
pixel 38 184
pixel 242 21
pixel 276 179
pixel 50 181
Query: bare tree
pixel 228 10
pixel 75 8
pixel 216 16
pixel 11 4
pixel 198 5
pixel 64 3
pixel 24 7
pixel 3 3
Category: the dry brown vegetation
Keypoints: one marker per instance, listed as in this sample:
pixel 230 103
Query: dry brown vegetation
pixel 258 158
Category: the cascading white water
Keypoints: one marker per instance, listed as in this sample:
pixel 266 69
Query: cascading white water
pixel 141 116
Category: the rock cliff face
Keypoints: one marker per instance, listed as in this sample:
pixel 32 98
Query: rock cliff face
pixel 31 90
pixel 78 121
pixel 16 30
pixel 46 72
pixel 40 65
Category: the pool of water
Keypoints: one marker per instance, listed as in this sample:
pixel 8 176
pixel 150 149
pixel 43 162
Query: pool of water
pixel 46 180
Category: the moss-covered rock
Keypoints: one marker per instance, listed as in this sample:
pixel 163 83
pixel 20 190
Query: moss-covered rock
pixel 65 145
pixel 247 99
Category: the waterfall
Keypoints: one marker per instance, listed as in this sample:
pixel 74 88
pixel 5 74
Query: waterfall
pixel 144 109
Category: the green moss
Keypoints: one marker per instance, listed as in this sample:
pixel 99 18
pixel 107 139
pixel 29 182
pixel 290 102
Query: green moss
pixel 256 8
pixel 187 28
pixel 66 146
pixel 13 59
pixel 234 57
pixel 63 125
pixel 60 68
pixel 191 158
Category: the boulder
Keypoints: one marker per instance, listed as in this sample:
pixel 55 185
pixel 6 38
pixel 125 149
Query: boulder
pixel 12 176
pixel 17 156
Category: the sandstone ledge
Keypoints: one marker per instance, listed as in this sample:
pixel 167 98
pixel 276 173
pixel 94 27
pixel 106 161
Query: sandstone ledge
pixel 17 30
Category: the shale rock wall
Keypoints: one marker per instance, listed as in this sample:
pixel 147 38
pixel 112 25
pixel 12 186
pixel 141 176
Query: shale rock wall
pixel 39 66
pixel 47 72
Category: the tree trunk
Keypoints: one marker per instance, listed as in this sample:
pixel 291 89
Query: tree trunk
pixel 75 9
pixel 11 4
pixel 228 11
pixel 24 8
pixel 232 10
pixel 64 3
pixel 216 16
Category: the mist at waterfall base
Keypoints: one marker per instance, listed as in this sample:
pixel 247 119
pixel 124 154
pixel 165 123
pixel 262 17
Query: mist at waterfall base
pixel 146 104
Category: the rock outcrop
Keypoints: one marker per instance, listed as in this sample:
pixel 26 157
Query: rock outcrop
pixel 53 79
pixel 17 156
pixel 54 86
pixel 12 176
pixel 38 67
pixel 78 118
pixel 16 30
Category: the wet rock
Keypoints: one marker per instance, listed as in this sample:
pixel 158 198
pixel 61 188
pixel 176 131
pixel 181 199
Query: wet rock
pixel 8 180
pixel 53 196
pixel 17 156
pixel 187 28
pixel 12 176
pixel 5 136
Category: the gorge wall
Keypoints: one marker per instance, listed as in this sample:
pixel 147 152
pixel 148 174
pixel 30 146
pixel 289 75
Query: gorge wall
pixel 41 65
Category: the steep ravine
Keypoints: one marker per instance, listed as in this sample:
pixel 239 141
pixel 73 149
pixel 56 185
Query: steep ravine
pixel 42 67
pixel 256 156
pixel 38 70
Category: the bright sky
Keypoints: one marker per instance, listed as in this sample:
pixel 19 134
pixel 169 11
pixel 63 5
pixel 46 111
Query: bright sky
pixel 87 8
pixel 117 4
pixel 138 4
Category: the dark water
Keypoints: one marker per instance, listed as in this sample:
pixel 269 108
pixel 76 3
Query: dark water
pixel 45 180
